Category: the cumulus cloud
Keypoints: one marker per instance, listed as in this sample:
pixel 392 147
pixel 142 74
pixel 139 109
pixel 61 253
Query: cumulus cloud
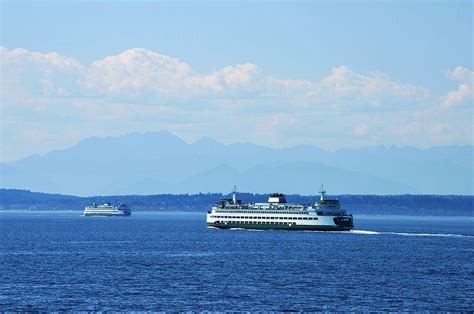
pixel 25 60
pixel 464 91
pixel 345 89
pixel 138 72
pixel 29 73
pixel 147 74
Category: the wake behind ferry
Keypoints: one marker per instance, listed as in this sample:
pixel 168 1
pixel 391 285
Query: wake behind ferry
pixel 323 215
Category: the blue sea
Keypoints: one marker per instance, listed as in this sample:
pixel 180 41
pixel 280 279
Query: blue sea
pixel 56 261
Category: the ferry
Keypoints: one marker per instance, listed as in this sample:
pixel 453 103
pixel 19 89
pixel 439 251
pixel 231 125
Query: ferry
pixel 323 215
pixel 107 210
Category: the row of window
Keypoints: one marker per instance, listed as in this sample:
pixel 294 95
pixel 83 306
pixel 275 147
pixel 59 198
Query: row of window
pixel 278 207
pixel 261 212
pixel 270 218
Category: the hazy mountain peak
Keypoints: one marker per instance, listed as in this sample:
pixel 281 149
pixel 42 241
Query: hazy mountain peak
pixel 161 162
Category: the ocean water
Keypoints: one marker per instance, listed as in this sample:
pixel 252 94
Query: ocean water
pixel 171 261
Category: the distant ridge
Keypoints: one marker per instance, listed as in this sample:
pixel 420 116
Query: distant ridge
pixel 160 162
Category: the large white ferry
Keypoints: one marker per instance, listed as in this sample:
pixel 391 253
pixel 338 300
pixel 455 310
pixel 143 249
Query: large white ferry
pixel 325 214
pixel 107 210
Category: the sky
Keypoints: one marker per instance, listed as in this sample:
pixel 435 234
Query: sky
pixel 332 74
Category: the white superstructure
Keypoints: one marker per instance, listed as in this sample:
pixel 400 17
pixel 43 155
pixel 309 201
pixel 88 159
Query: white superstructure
pixel 325 214
pixel 107 210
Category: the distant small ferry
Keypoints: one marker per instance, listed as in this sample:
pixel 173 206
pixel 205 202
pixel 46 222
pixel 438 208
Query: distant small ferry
pixel 107 210
pixel 324 215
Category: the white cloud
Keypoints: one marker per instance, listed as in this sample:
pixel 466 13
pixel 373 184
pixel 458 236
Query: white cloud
pixel 137 72
pixel 140 73
pixel 25 60
pixel 464 91
pixel 345 90
pixel 25 73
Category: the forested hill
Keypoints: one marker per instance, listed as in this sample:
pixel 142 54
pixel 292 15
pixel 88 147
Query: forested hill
pixel 440 205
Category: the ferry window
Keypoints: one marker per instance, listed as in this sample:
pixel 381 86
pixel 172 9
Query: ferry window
pixel 305 218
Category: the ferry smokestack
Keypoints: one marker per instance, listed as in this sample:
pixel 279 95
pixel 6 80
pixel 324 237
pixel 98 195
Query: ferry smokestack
pixel 234 196
pixel 322 192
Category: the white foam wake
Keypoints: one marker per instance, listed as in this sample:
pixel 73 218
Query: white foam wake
pixel 364 232
pixel 412 234
pixel 408 234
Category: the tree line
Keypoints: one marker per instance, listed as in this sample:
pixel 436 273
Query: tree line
pixel 440 205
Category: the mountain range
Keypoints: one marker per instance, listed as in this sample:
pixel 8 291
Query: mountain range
pixel 160 162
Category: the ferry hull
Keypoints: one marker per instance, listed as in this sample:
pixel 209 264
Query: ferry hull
pixel 280 227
